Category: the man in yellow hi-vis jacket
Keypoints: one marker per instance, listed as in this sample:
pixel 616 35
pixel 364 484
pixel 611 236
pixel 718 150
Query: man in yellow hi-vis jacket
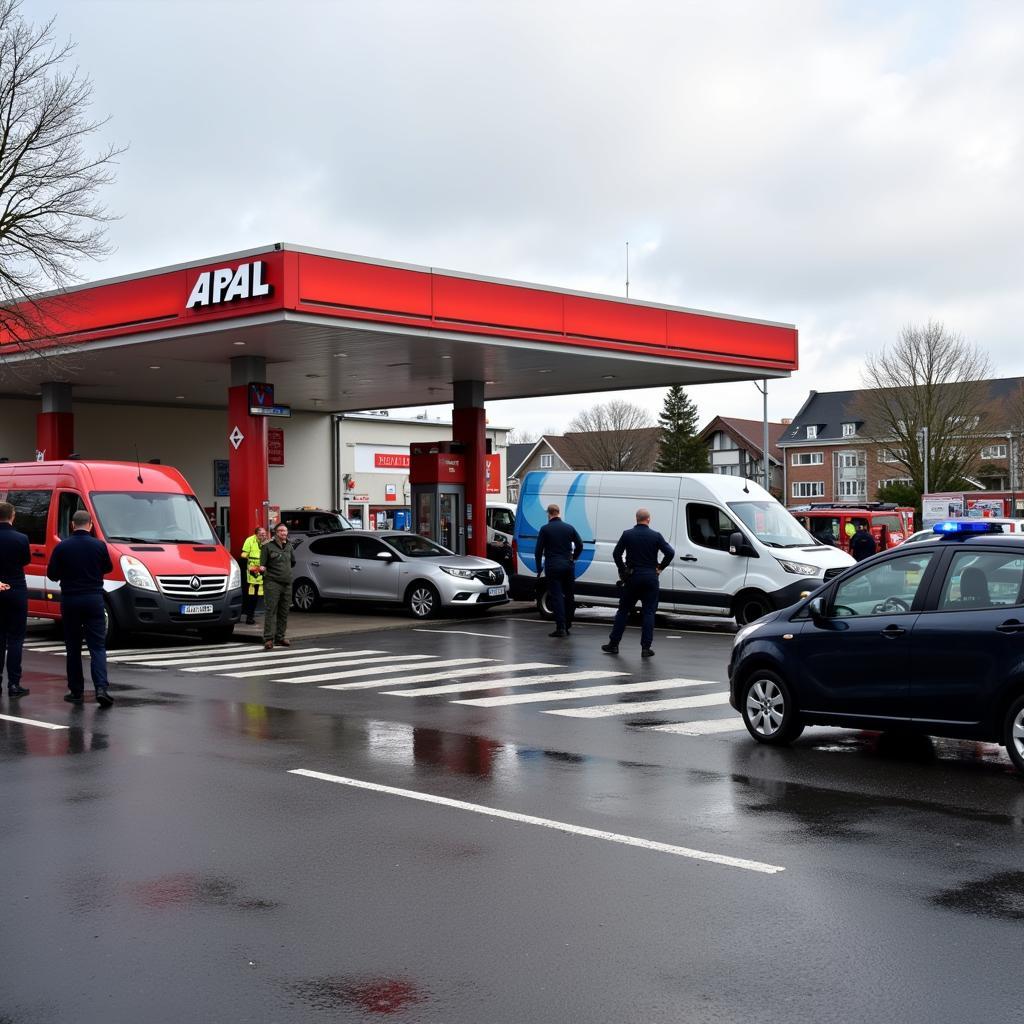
pixel 253 577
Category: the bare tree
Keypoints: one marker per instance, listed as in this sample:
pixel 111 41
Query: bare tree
pixel 930 378
pixel 615 435
pixel 522 435
pixel 50 217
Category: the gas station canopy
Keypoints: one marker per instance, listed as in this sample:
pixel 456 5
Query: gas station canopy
pixel 340 333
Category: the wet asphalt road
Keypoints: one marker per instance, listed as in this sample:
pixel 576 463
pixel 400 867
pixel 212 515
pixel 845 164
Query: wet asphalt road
pixel 162 863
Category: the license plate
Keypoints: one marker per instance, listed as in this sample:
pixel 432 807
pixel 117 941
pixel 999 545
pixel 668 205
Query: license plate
pixel 495 591
pixel 196 609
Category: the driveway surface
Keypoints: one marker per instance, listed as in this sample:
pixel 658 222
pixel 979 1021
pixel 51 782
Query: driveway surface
pixel 472 822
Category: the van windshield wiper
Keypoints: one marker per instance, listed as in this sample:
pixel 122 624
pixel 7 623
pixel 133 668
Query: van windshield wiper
pixel 132 540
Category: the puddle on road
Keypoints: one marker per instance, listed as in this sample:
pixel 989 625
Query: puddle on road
pixel 371 995
pixel 1000 895
pixel 188 889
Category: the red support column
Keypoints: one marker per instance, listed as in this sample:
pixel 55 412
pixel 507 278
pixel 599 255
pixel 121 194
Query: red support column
pixel 469 426
pixel 55 434
pixel 250 485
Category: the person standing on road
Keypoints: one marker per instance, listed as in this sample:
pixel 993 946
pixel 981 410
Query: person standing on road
pixel 14 556
pixel 79 564
pixel 252 551
pixel 636 556
pixel 277 559
pixel 558 547
pixel 862 543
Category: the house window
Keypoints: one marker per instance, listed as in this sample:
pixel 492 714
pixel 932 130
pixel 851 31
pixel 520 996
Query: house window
pixel 851 489
pixel 807 459
pixel 994 451
pixel 849 429
pixel 847 460
pixel 809 489
pixel 892 455
pixel 547 461
pixel 812 433
pixel 894 480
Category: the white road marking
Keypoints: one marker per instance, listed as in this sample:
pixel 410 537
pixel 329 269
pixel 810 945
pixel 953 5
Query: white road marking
pixel 226 657
pixel 428 677
pixel 504 683
pixel 371 683
pixel 463 632
pixel 708 700
pixel 141 653
pixel 319 661
pixel 585 691
pixel 657 629
pixel 707 728
pixel 29 721
pixel 557 826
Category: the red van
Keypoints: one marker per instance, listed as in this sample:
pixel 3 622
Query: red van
pixel 171 573
pixel 835 524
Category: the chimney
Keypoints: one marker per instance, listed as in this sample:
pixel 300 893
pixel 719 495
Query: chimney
pixel 786 421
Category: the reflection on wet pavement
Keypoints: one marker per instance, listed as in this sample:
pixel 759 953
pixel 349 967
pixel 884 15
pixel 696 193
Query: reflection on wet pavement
pixel 1000 895
pixel 371 995
pixel 185 889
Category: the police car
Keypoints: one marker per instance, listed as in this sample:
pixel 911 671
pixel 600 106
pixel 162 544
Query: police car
pixel 926 637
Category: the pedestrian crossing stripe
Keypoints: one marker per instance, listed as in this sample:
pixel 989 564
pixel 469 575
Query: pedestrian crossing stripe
pixel 708 727
pixel 369 684
pixel 374 662
pixel 141 654
pixel 709 700
pixel 505 682
pixel 227 657
pixel 653 685
pixel 322 661
pixel 267 663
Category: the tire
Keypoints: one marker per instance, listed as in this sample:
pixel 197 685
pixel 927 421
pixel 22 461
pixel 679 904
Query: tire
pixel 115 634
pixel 305 596
pixel 781 724
pixel 422 600
pixel 1013 733
pixel 217 635
pixel 544 606
pixel 749 606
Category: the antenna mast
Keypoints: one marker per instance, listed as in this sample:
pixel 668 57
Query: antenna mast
pixel 627 270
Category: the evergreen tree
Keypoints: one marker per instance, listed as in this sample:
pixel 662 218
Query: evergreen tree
pixel 680 451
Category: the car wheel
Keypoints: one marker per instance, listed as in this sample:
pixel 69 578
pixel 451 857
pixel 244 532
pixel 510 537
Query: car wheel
pixel 217 635
pixel 1013 733
pixel 114 631
pixel 544 609
pixel 422 600
pixel 768 709
pixel 305 596
pixel 750 605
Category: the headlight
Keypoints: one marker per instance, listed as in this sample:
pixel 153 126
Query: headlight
pixel 798 568
pixel 463 574
pixel 235 579
pixel 136 574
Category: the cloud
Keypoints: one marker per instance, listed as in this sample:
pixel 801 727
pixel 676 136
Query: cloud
pixel 845 166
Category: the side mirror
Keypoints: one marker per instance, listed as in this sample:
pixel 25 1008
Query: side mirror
pixel 738 545
pixel 385 556
pixel 817 609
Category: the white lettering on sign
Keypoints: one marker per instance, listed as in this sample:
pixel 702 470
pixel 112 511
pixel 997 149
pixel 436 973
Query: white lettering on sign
pixel 236 437
pixel 225 284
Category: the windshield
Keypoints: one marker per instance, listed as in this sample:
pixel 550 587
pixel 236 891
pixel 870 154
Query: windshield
pixel 772 524
pixel 413 546
pixel 145 517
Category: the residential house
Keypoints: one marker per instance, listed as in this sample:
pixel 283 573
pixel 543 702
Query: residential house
pixel 735 448
pixel 830 454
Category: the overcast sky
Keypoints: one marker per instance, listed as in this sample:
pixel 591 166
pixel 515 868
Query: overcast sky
pixel 848 167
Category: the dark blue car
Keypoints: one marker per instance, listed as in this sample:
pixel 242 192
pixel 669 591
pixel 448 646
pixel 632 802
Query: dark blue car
pixel 924 637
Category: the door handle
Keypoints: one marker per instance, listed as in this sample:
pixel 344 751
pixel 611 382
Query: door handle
pixel 315 563
pixel 357 568
pixel 1011 626
pixel 687 558
pixel 893 631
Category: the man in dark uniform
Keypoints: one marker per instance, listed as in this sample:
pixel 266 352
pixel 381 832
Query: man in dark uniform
pixel 636 556
pixel 277 559
pixel 79 564
pixel 14 556
pixel 862 543
pixel 558 547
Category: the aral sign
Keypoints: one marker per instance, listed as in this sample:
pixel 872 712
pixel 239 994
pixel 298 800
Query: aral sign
pixel 229 284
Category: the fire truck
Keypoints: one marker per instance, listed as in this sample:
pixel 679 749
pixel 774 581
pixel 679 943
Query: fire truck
pixel 835 524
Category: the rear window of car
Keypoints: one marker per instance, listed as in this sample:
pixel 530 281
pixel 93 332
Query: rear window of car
pixel 982 579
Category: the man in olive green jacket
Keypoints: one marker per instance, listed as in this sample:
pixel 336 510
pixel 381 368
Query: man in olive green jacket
pixel 277 559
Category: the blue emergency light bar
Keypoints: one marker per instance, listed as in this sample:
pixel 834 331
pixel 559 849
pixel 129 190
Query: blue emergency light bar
pixel 951 526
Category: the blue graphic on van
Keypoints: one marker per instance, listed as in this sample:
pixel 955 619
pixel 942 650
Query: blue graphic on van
pixel 532 514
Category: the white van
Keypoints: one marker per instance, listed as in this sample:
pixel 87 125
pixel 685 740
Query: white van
pixel 501 522
pixel 739 553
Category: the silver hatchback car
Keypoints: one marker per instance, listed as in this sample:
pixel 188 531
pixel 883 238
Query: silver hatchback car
pixel 404 568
